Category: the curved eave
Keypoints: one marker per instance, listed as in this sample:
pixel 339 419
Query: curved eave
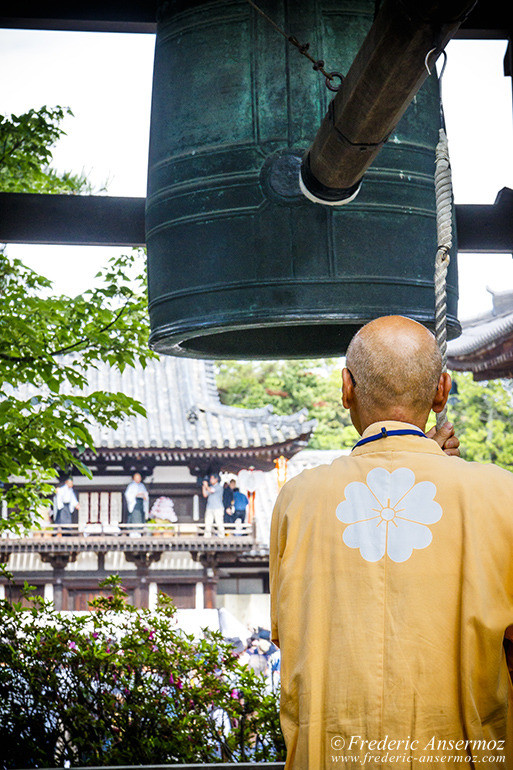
pixel 230 458
pixel 479 339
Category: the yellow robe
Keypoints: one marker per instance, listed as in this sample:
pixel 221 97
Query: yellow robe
pixel 391 593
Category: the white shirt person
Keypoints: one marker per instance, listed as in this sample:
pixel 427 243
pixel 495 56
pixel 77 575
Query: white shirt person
pixel 137 500
pixel 65 504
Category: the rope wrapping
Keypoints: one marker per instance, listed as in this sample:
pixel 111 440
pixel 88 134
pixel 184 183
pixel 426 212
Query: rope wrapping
pixel 443 194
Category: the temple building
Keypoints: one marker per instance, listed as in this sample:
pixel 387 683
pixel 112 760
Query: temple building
pixel 186 435
pixel 485 346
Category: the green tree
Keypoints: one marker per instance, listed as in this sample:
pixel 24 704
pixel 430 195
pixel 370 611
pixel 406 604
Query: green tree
pixel 481 411
pixel 314 385
pixel 482 415
pixel 46 343
pixel 48 340
pixel 122 686
pixel 26 143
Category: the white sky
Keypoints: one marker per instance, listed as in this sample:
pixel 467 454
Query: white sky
pixel 106 80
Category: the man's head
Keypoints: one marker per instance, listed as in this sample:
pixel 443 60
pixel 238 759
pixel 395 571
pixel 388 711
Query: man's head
pixel 214 479
pixel 69 482
pixel 137 477
pixel 233 483
pixel 393 371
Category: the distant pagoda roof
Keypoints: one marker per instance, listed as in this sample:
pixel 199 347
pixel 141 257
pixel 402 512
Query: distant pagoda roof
pixel 485 346
pixel 185 419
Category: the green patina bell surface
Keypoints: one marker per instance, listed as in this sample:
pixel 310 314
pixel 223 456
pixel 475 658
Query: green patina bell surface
pixel 240 264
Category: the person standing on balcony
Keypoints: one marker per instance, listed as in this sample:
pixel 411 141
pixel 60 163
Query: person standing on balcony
pixel 228 491
pixel 65 505
pixel 240 504
pixel 214 513
pixel 137 501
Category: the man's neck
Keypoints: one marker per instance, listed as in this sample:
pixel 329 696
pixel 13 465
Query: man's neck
pixel 410 420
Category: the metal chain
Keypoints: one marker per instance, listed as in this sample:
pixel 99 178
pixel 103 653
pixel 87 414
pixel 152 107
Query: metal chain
pixel 318 64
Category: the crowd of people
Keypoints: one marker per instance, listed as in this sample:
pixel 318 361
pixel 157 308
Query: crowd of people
pixel 225 505
pixel 261 654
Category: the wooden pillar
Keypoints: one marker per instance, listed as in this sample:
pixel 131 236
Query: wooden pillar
pixel 59 562
pixel 210 580
pixel 58 590
pixel 142 561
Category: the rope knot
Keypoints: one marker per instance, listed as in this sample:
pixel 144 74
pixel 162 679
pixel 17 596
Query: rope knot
pixel 443 254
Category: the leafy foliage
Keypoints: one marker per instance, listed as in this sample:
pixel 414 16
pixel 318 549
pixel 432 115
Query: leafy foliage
pixel 46 344
pixel 481 411
pixel 121 686
pixel 47 341
pixel 25 153
pixel 482 415
pixel 290 386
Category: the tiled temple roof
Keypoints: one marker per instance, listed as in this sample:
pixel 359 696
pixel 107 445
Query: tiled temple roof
pixel 184 410
pixel 185 422
pixel 485 346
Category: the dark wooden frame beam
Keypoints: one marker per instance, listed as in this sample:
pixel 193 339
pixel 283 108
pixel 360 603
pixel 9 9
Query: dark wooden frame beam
pixel 86 220
pixel 488 20
pixel 105 221
pixel 135 16
pixel 486 229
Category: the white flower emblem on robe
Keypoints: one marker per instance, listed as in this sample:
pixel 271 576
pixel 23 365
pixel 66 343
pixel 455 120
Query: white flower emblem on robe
pixel 389 514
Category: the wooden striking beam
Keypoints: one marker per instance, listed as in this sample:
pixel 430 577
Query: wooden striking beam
pixel 387 72
pixel 105 221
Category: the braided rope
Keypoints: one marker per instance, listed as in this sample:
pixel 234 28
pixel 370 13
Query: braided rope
pixel 443 194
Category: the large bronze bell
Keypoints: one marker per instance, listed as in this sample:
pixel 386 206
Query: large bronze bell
pixel 240 263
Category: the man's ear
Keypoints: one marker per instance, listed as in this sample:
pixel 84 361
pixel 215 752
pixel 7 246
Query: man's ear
pixel 442 392
pixel 347 389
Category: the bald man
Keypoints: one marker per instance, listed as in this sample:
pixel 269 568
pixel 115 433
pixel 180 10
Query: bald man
pixel 392 580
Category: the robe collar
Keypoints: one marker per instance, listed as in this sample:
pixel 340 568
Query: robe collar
pixel 396 443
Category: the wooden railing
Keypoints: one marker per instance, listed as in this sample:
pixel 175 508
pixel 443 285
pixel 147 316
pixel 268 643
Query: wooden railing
pixel 101 529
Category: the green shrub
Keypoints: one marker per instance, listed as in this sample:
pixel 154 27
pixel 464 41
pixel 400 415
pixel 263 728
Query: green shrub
pixel 125 686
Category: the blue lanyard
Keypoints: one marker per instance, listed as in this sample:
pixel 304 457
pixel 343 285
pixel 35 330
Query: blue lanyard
pixel 386 433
